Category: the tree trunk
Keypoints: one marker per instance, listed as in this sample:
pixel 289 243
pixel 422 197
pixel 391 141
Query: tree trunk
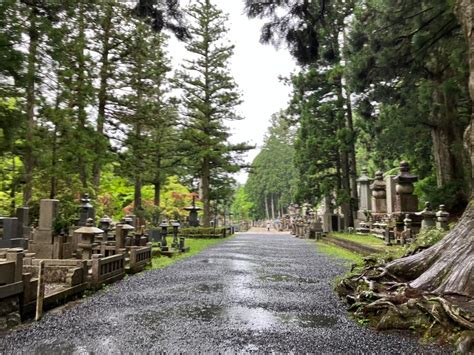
pixel 273 207
pixel 267 213
pixel 54 159
pixel 28 160
pixel 157 191
pixel 81 95
pixel 102 96
pixel 447 141
pixel 205 181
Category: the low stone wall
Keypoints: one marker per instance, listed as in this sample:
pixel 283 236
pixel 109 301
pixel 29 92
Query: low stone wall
pixel 107 270
pixel 140 257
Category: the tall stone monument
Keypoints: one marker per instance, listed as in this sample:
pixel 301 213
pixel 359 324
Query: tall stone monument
pixel 365 196
pixel 405 200
pixel 43 237
pixel 379 194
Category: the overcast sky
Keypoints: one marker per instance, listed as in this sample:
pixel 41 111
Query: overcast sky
pixel 256 69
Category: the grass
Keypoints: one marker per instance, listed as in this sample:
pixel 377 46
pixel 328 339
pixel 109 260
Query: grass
pixel 369 240
pixel 196 246
pixel 339 253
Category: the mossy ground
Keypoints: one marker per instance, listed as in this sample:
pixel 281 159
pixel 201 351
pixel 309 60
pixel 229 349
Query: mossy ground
pixel 339 253
pixel 196 246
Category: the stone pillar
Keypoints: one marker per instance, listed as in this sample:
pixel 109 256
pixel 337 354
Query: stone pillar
pixel 379 194
pixel 405 200
pixel 43 243
pixel 391 193
pixel 442 217
pixel 365 201
pixel 16 255
pixel 48 212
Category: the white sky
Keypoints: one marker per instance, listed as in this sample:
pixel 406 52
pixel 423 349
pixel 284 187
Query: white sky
pixel 256 68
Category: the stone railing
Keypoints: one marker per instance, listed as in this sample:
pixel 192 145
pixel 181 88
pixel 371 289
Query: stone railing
pixel 107 270
pixel 139 258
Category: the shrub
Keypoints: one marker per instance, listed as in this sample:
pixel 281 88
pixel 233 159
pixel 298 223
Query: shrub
pixel 204 232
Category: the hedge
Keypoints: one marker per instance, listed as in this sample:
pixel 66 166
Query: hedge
pixel 203 232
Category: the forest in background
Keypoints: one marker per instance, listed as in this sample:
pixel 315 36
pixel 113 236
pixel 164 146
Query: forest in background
pixel 378 82
pixel 89 103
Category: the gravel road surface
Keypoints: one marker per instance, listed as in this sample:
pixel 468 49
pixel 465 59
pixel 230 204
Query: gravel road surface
pixel 254 292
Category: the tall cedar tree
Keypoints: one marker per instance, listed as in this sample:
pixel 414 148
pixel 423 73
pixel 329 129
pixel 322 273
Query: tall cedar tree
pixel 143 105
pixel 313 31
pixel 210 98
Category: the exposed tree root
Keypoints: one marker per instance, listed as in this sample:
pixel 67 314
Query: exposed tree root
pixel 430 291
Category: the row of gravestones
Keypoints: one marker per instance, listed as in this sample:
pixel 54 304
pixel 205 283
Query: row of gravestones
pixel 15 231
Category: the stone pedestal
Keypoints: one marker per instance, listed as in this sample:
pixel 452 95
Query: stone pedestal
pixel 405 200
pixel 379 194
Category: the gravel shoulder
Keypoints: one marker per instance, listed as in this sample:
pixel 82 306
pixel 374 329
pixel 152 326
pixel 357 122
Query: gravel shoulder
pixel 254 292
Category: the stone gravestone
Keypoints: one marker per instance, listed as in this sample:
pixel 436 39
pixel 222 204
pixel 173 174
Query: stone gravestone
pixel 8 231
pixel 43 237
pixel 365 201
pixel 379 194
pixel 390 186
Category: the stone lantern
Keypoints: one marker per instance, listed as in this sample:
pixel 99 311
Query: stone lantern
pixel 164 231
pixel 105 223
pixel 405 200
pixel 88 234
pixel 121 234
pixel 442 217
pixel 428 215
pixel 379 193
pixel 175 225
pixel 86 210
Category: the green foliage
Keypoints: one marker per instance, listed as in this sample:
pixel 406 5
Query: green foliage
pixel 241 205
pixel 449 195
pixel 426 238
pixel 272 178
pixel 210 97
pixel 339 253
pixel 203 232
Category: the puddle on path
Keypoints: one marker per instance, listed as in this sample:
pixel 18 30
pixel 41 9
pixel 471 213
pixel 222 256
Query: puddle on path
pixel 309 320
pixel 209 288
pixel 204 313
pixel 287 278
pixel 257 318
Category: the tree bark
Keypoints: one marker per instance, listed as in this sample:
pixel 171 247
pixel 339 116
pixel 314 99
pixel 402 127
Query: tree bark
pixel 267 213
pixel 28 160
pixel 81 94
pixel 205 181
pixel 273 207
pixel 102 95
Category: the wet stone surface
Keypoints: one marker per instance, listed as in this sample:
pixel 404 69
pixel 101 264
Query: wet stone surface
pixel 251 293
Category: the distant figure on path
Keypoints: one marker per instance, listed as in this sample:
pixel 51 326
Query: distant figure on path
pixel 268 226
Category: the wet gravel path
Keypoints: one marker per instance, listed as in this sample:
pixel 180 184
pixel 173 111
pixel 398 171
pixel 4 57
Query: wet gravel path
pixel 251 293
